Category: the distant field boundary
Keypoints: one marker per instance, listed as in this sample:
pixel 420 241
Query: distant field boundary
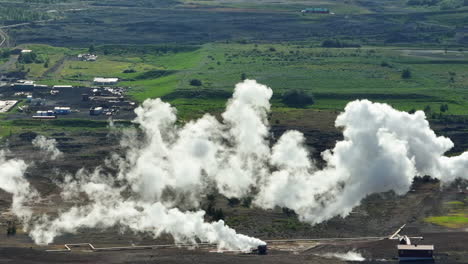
pixel 436 62
pixel 224 94
pixel 120 49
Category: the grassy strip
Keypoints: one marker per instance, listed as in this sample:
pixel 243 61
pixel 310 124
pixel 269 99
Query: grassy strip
pixel 456 218
pixel 9 127
pixel 451 221
pixel 152 88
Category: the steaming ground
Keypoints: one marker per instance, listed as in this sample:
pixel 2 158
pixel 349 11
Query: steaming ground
pixel 47 146
pixel 348 256
pixel 168 169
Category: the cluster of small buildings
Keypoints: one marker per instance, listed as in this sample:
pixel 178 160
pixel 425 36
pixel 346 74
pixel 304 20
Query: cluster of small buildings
pixel 45 115
pixel 87 57
pixel 110 100
pixel 104 96
pixel 52 114
pixel 29 85
pixel 35 101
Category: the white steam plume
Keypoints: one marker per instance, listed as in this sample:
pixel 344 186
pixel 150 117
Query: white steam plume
pixel 108 208
pixel 232 155
pixel 13 182
pixel 168 167
pixel 383 149
pixel 348 256
pixel 48 146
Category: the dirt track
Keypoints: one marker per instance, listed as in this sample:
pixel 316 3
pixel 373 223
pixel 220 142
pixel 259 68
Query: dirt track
pixel 4 43
pixel 450 248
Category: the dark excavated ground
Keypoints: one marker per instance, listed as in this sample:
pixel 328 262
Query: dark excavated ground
pixel 379 214
pixel 169 256
pixel 450 248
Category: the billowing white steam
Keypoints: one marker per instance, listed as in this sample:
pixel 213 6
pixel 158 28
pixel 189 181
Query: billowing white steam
pixel 48 146
pixel 348 256
pixel 107 207
pixel 231 156
pixel 167 168
pixel 383 149
pixel 12 181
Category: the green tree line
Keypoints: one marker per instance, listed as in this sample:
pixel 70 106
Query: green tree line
pixel 20 15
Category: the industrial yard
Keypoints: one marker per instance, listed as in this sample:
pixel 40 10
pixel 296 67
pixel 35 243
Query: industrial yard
pixel 42 101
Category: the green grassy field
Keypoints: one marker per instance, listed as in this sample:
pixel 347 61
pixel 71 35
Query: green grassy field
pixel 457 216
pixel 154 88
pixel 336 76
pixel 128 67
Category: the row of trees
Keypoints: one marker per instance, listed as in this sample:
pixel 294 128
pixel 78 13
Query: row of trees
pixel 4 54
pixel 291 98
pixel 428 110
pixel 140 49
pixel 297 98
pixel 422 2
pixel 19 15
pixel 336 43
pixel 444 4
pixel 32 57
pixel 406 73
pixel 452 4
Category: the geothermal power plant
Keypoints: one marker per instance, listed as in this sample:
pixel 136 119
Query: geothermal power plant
pixel 157 187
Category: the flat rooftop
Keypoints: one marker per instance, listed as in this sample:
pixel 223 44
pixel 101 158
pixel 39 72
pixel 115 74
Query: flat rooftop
pixel 104 80
pixel 6 105
pixel 416 247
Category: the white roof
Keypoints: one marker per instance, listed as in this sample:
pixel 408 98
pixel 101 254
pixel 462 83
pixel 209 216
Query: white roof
pixel 105 80
pixel 25 82
pixel 7 105
pixel 62 86
pixel 416 247
pixel 26 51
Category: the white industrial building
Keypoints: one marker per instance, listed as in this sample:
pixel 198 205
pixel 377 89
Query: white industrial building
pixel 62 87
pixel 105 81
pixel 23 85
pixel 62 110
